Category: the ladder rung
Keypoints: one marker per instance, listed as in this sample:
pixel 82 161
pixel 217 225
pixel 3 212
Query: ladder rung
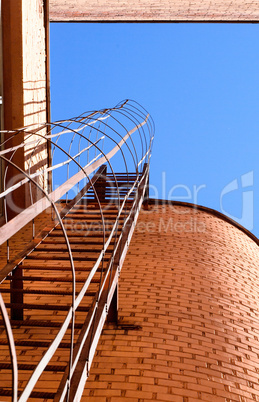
pixel 53 279
pixel 35 306
pixel 44 292
pixel 34 394
pixel 38 323
pixel 62 257
pixel 37 344
pixel 53 268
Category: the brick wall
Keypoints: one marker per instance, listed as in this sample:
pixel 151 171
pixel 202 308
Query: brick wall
pixel 155 10
pixel 23 237
pixel 190 285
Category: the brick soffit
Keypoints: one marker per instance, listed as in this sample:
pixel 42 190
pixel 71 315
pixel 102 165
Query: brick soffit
pixel 154 11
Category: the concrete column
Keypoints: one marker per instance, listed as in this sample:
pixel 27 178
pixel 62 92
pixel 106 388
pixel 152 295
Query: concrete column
pixel 13 92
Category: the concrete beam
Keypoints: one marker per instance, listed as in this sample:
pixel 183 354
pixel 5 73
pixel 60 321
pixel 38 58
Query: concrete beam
pixel 154 10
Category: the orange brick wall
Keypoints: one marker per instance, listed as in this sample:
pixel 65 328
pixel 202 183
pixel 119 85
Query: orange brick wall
pixel 154 10
pixel 190 285
pixel 23 237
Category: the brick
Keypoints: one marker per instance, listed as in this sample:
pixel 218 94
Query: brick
pixel 190 317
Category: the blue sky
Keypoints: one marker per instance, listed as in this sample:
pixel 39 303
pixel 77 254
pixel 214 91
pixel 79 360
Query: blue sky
pixel 199 82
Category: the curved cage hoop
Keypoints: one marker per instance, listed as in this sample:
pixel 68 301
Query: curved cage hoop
pixel 67 224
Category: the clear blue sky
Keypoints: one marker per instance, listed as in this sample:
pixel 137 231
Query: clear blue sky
pixel 200 83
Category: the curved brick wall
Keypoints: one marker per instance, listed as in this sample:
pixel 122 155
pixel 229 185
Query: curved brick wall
pixel 191 283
